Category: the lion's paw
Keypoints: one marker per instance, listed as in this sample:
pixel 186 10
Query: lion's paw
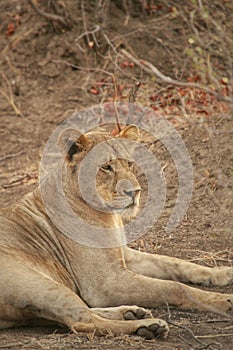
pixel 224 276
pixel 227 305
pixel 155 328
pixel 137 313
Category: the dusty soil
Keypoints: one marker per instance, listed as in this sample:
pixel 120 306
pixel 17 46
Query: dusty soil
pixel 46 76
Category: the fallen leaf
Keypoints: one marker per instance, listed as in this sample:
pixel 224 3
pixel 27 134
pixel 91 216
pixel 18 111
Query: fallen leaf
pixel 94 91
pixel 10 29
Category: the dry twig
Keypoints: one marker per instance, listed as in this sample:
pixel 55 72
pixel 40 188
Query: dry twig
pixel 208 336
pixel 47 15
pixel 9 96
pixel 175 324
pixel 22 34
pixel 89 69
pixel 150 68
pixel 15 345
pixel 114 103
pixel 87 34
pixel 90 35
pixel 133 92
pixel 195 337
pixel 11 156
pixel 21 179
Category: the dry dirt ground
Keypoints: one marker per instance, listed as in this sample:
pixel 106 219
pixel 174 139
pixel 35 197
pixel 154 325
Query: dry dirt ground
pixel 47 72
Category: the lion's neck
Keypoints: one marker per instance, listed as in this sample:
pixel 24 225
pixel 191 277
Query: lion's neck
pixel 76 219
pixel 85 207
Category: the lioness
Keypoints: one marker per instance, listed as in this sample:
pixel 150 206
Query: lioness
pixel 47 276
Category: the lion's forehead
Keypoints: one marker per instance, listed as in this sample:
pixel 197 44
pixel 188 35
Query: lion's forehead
pixel 98 136
pixel 112 147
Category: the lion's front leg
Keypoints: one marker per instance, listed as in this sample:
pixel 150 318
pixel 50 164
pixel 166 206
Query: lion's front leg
pixel 149 328
pixel 28 295
pixel 168 268
pixel 123 312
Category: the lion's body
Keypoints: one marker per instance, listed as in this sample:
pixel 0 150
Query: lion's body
pixel 45 275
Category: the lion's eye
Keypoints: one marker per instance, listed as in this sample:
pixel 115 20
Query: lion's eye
pixel 130 164
pixel 107 167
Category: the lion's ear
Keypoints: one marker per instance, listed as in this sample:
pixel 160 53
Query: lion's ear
pixel 72 141
pixel 130 132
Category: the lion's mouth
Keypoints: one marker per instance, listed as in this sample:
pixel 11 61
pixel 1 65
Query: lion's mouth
pixel 120 205
pixel 130 205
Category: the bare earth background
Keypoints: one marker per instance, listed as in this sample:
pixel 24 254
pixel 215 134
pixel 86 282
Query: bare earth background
pixel 48 71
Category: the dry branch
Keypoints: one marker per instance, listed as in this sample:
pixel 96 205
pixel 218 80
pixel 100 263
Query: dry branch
pixel 208 336
pixel 9 96
pixel 150 68
pixel 87 34
pixel 22 34
pixel 15 345
pixel 47 15
pixel 114 103
pixel 21 179
pixel 195 337
pixel 133 92
pixel 11 156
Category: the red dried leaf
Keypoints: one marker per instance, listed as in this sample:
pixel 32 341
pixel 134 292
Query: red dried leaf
pixel 10 29
pixel 193 78
pixel 155 108
pixel 124 64
pixel 153 97
pixel 182 92
pixel 203 111
pixel 172 9
pixel 115 132
pixel 94 91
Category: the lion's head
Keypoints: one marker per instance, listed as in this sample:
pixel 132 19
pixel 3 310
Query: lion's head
pixel 98 173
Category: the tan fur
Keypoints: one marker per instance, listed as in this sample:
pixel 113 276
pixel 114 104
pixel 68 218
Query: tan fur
pixel 45 275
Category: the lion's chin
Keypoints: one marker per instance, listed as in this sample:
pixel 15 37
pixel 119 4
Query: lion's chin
pixel 129 213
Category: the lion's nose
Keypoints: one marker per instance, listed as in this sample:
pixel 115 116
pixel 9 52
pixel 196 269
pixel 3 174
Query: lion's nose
pixel 132 193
